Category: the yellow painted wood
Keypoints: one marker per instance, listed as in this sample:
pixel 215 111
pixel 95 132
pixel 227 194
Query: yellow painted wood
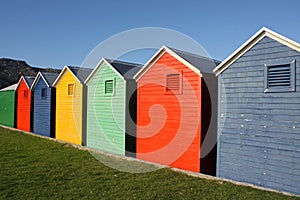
pixel 69 110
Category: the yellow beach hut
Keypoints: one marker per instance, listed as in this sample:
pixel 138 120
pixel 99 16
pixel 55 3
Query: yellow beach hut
pixel 70 120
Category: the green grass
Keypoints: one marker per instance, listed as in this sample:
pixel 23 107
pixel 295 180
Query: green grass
pixel 36 168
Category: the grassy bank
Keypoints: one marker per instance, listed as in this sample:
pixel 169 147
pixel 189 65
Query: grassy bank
pixel 36 168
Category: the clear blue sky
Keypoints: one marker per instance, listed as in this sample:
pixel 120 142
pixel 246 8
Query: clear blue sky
pixel 57 33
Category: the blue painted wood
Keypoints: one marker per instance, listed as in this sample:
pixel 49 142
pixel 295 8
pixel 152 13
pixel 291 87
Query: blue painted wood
pixel 259 133
pixel 43 109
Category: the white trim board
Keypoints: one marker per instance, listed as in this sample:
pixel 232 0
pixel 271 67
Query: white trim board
pixel 157 56
pixel 97 69
pixel 263 32
pixel 61 75
pixel 37 78
pixel 22 77
pixel 10 87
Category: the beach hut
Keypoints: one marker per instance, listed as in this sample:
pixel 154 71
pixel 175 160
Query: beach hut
pixel 7 105
pixel 44 104
pixel 111 107
pixel 176 110
pixel 70 111
pixel 259 113
pixel 24 103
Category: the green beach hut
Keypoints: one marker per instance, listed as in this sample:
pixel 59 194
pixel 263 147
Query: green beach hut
pixel 7 105
pixel 111 107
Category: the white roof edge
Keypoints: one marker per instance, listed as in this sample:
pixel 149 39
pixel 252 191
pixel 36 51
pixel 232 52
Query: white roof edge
pixel 58 77
pixel 66 67
pixel 22 77
pixel 157 55
pixel 282 39
pixel 114 69
pixel 40 74
pixel 10 87
pixel 183 61
pixel 251 42
pixel 144 69
pixel 98 67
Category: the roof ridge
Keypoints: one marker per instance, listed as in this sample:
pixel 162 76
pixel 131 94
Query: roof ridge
pixel 192 54
pixel 48 73
pixel 78 67
pixel 29 76
pixel 122 62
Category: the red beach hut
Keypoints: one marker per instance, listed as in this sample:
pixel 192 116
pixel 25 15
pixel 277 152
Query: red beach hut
pixel 170 114
pixel 24 103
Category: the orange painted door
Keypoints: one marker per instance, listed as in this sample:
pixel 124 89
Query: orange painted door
pixel 168 116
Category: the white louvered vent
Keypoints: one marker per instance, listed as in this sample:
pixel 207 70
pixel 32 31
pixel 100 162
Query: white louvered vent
pixel 280 78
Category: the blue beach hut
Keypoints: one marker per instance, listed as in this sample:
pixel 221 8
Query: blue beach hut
pixel 44 104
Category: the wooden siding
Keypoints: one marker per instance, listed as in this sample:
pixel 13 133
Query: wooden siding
pixel 106 112
pixel 168 125
pixel 24 106
pixel 43 120
pixel 7 108
pixel 69 118
pixel 259 133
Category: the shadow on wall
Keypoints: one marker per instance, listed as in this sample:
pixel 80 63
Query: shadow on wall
pixel 208 125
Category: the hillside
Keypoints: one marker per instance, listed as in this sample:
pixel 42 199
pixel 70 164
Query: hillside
pixel 11 71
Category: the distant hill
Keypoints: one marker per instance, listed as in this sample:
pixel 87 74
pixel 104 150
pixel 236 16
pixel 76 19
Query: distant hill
pixel 11 71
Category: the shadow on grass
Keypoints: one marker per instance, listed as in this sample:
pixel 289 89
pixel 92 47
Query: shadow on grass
pixel 125 164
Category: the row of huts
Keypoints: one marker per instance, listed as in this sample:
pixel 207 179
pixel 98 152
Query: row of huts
pixel 237 119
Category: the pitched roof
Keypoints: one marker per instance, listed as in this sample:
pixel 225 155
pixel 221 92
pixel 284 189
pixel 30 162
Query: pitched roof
pixel 80 72
pixel 11 87
pixel 204 64
pixel 48 77
pixel 263 32
pixel 29 80
pixel 126 69
pixel 199 64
